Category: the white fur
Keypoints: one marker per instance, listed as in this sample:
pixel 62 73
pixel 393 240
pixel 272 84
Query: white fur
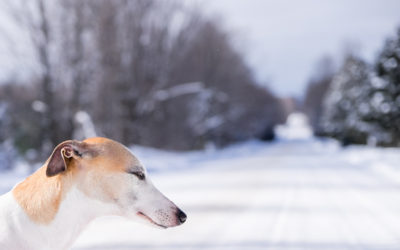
pixel 17 231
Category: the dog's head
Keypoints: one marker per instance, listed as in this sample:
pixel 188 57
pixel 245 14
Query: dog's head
pixel 107 171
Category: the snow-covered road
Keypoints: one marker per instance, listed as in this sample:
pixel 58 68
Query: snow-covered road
pixel 304 194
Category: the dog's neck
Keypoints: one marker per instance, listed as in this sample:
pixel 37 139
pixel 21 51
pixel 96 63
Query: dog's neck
pixel 56 210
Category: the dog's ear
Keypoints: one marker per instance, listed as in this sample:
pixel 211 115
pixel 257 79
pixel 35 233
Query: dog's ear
pixel 62 156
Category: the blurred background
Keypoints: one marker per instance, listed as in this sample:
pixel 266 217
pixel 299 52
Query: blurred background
pixel 274 124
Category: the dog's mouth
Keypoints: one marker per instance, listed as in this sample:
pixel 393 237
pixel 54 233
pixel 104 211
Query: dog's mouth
pixel 142 215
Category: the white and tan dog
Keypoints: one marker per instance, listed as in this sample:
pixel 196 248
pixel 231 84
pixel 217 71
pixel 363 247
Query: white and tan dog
pixel 79 182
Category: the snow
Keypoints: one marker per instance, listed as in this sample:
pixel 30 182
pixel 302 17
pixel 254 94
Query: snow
pixel 179 90
pixel 296 127
pixel 299 193
pixel 39 106
pixel 85 127
pixel 168 94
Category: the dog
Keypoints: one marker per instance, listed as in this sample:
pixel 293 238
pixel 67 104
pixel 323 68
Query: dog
pixel 79 182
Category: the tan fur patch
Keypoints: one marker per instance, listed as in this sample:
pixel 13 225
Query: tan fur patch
pixel 40 196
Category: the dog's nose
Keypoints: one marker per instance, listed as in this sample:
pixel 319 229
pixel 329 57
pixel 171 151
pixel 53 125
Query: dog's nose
pixel 182 216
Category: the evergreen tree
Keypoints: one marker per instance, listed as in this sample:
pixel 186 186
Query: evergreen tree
pixel 384 95
pixel 363 103
pixel 345 101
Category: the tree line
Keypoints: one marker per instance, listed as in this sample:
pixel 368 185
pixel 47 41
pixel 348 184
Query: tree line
pixel 149 72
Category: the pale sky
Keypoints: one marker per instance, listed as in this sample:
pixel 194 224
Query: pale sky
pixel 285 38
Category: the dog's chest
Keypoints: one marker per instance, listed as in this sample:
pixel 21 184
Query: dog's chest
pixel 17 231
pixel 9 228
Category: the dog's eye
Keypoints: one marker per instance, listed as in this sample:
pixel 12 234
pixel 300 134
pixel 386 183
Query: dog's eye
pixel 139 175
pixel 77 153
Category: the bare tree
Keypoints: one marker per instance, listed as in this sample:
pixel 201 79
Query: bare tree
pixel 150 72
pixel 76 65
pixel 35 18
pixel 317 88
